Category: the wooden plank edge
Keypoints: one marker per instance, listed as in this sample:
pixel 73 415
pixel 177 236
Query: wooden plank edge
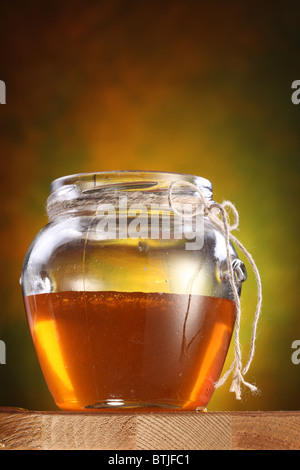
pixel 278 430
pixel 272 430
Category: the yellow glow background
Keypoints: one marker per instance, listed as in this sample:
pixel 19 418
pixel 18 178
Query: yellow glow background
pixel 199 87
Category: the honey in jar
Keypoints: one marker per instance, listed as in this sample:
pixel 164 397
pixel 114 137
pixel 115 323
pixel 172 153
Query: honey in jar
pixel 126 323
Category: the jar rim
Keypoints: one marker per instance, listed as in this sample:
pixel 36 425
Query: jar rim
pixel 83 192
pixel 92 179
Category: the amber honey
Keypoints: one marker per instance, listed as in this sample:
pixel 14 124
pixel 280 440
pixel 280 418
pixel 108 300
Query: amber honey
pixel 137 351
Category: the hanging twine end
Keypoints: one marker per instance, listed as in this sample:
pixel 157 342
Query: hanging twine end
pixel 236 386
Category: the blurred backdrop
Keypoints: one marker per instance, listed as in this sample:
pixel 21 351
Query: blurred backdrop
pixel 199 87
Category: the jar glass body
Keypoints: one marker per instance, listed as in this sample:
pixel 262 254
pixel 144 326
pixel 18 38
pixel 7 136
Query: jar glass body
pixel 124 313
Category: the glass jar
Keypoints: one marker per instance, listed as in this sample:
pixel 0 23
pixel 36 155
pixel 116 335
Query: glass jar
pixel 129 308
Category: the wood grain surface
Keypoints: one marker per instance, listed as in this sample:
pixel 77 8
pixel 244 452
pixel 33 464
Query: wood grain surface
pixel 25 430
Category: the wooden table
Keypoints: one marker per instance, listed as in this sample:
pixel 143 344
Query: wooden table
pixel 20 429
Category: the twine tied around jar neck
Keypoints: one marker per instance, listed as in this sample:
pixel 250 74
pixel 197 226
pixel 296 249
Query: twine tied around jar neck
pixel 213 211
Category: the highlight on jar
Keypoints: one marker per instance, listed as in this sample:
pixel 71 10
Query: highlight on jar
pixel 132 292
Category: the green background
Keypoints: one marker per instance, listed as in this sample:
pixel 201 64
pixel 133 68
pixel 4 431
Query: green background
pixel 199 87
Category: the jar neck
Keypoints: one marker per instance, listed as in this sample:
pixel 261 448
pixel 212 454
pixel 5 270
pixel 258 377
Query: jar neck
pixel 82 194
